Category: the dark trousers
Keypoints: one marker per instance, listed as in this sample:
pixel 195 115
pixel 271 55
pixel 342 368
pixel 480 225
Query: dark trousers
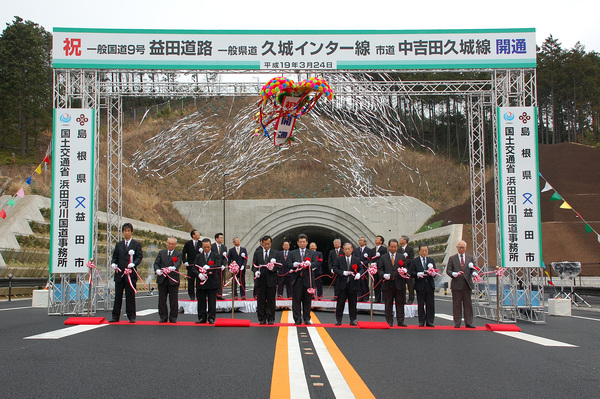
pixel 411 289
pixel 129 299
pixel 301 302
pixel 425 305
pixel 378 288
pixel 391 294
pixel 319 286
pixel 265 303
pixel 284 281
pixel 461 300
pixel 352 297
pixel 202 296
pixel 172 291
pixel 242 287
pixel 191 282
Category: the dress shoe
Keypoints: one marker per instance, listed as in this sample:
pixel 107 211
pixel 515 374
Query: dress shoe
pixel 297 323
pixel 457 326
pixel 236 298
pixel 211 321
pixel 201 321
pixel 243 298
pixel 422 325
pixel 220 297
pixel 270 322
pixel 132 320
pixel 307 322
pixel 353 323
pixel 430 325
pixel 162 321
pixel 262 322
pixel 338 323
pixel 409 302
pixel 113 320
pixel 391 324
pixel 173 321
pixel 470 326
pixel 401 325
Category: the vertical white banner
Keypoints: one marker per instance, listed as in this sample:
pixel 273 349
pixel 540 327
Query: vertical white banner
pixel 520 217
pixel 72 190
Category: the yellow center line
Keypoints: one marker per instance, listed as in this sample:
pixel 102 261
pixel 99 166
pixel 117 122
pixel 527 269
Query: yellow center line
pixel 280 380
pixel 355 382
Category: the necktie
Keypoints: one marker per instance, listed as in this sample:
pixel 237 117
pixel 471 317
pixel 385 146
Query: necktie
pixel 337 252
pixel 302 254
pixel 237 249
pixel 196 245
pixel 266 256
pixel 393 259
pixel 205 257
pixel 423 260
pixel 285 255
pixel 462 260
pixel 218 249
pixel 348 262
pixel 170 253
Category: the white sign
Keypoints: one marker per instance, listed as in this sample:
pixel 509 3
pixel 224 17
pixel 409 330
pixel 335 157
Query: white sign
pixel 284 129
pixel 519 187
pixel 72 190
pixel 276 50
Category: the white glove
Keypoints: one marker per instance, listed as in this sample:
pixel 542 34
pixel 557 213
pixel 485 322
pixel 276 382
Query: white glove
pixel 224 254
pixel 420 274
pixel 296 264
pixel 186 264
pixel 206 267
pixel 474 274
pixel 159 272
pixel 202 276
pixel 131 252
pixel 222 267
pixel 257 274
pixel 357 276
pixel 430 266
pixel 241 268
pixel 243 254
pixel 273 260
pixel 387 276
pixel 346 273
pixel 471 265
pixel 366 255
pixel 171 268
pixel 405 255
pixel 404 270
pixel 454 274
pixel 131 265
pixel 114 266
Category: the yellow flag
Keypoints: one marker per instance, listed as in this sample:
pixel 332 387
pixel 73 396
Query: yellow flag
pixel 39 170
pixel 565 205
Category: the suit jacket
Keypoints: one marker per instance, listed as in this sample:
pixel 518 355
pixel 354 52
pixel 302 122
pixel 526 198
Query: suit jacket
pixel 459 282
pixel 319 269
pixel 332 258
pixel 281 259
pixel 190 252
pixel 267 277
pixel 417 267
pixel 164 260
pixel 384 266
pixel 341 266
pixel 382 251
pixel 213 281
pixel 410 253
pixel 361 256
pixel 233 256
pixel 121 258
pixel 213 248
pixel 304 277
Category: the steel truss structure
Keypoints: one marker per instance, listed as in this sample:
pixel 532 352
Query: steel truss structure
pixel 105 89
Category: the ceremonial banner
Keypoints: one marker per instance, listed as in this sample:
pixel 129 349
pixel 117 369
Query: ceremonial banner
pixel 294 49
pixel 72 190
pixel 520 217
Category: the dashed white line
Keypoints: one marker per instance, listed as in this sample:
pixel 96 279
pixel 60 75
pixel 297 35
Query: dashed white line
pixel 585 318
pixel 24 307
pixel 65 332
pixel 146 312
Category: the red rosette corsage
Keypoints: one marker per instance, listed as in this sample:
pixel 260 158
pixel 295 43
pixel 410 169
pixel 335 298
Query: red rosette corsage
pixel 211 263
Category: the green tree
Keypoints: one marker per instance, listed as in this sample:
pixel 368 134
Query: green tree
pixel 25 83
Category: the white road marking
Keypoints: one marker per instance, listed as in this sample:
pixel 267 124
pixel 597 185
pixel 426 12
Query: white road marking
pixel 298 383
pixel 444 316
pixel 65 332
pixel 585 318
pixel 146 312
pixel 24 307
pixel 535 339
pixel 338 383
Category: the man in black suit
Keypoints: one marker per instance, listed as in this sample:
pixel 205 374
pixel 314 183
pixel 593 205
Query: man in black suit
pixel 348 268
pixel 284 279
pixel 210 263
pixel 424 285
pixel 265 280
pixel 364 254
pixel 191 249
pixel 127 255
pixel 335 253
pixel 409 254
pixel 376 253
pixel 461 268
pixel 318 270
pixel 165 266
pixel 391 267
pixel 239 255
pixel 220 248
pixel 303 262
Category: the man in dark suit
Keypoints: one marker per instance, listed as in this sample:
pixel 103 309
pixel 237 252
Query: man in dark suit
pixel 409 254
pixel 191 249
pixel 376 253
pixel 461 268
pixel 394 284
pixel 284 279
pixel 348 268
pixel 335 253
pixel 220 248
pixel 239 255
pixel 165 266
pixel 265 280
pixel 364 254
pixel 127 255
pixel 424 285
pixel 303 262
pixel 318 270
pixel 210 263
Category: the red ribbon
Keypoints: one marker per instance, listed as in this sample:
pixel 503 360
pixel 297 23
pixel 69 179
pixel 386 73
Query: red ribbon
pixel 128 273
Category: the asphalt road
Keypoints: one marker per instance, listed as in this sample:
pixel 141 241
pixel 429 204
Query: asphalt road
pixel 141 361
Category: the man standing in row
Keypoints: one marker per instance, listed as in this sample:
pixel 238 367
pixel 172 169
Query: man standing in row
pixel 348 268
pixel 335 253
pixel 461 268
pixel 165 266
pixel 393 270
pixel 363 253
pixel 409 254
pixel 284 279
pixel 239 255
pixel 220 249
pixel 265 280
pixel 376 254
pixel 208 268
pixel 318 270
pixel 191 249
pixel 127 255
pixel 302 261
pixel 424 285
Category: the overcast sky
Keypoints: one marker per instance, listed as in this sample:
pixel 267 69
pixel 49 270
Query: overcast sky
pixel 569 21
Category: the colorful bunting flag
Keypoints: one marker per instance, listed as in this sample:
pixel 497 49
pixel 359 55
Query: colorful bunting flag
pixel 2 214
pixel 21 193
pixel 38 170
pixel 11 202
pixel 565 205
pixel 28 181
pixel 47 159
pixel 556 197
pixel 547 187
pixel 588 229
